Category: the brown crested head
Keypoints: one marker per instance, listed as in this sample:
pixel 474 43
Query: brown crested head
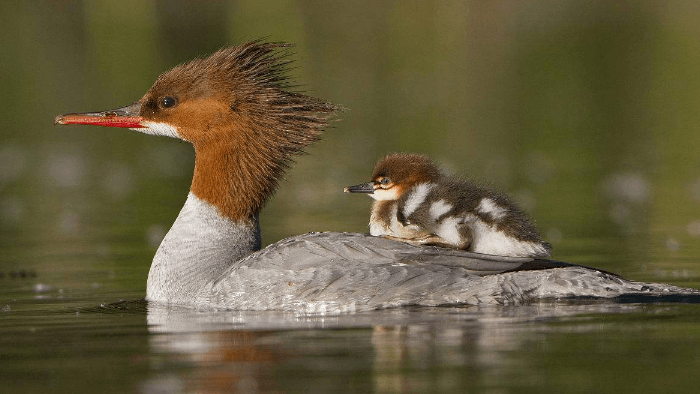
pixel 218 98
pixel 402 170
pixel 237 109
pixel 252 125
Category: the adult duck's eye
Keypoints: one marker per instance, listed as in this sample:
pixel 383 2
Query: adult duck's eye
pixel 168 102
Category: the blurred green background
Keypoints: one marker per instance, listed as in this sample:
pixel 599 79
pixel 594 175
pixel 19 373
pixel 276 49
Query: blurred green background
pixel 586 112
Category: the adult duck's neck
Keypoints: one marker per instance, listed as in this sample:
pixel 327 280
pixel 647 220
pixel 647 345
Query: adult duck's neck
pixel 237 179
pixel 200 245
pixel 217 226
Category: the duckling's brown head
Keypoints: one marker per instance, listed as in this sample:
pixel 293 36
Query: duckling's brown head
pixel 396 173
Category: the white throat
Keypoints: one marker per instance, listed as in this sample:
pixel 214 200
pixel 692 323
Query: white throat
pixel 200 245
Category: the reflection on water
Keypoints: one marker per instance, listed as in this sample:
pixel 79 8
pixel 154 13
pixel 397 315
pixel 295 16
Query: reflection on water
pixel 252 350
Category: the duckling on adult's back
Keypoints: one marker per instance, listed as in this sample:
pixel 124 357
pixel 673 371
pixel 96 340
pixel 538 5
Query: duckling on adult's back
pixel 234 107
pixel 415 202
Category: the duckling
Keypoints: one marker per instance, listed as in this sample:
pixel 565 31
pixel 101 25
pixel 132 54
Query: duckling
pixel 416 203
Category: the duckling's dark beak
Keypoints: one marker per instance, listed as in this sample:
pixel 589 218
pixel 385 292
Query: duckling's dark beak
pixel 121 117
pixel 361 188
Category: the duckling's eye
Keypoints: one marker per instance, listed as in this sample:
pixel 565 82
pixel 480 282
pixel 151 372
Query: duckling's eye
pixel 384 181
pixel 168 102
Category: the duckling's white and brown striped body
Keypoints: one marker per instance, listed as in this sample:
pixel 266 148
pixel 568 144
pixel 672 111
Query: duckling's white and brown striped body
pixel 416 203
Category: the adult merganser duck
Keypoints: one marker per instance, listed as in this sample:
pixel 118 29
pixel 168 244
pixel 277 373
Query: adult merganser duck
pixel 415 202
pixel 234 107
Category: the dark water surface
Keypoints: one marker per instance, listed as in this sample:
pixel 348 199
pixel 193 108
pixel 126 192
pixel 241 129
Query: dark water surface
pixel 586 112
